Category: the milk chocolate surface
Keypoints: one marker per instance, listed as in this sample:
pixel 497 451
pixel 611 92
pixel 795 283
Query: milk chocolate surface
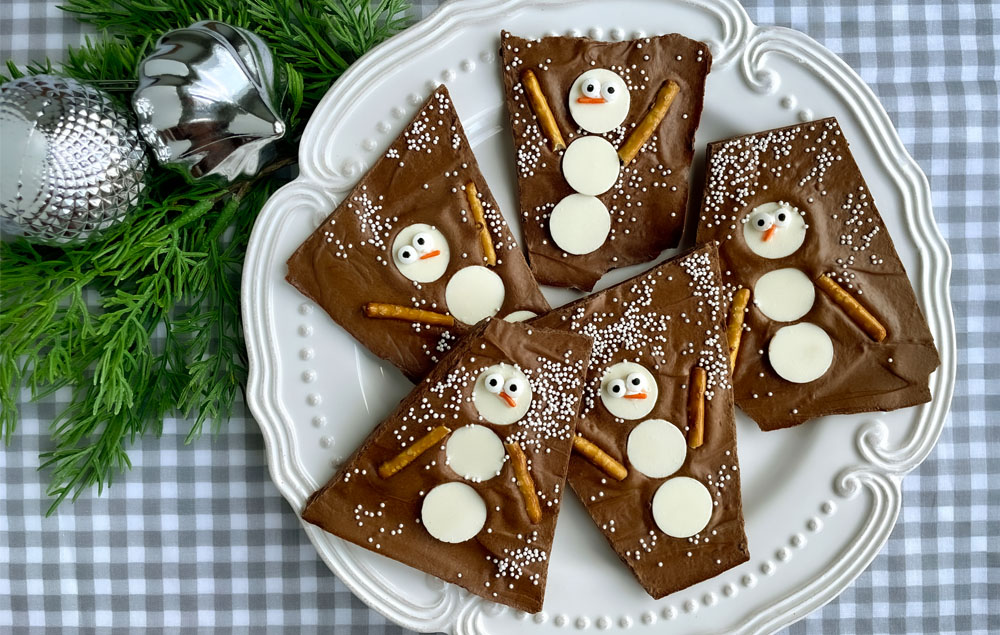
pixel 669 320
pixel 350 259
pixel 648 202
pixel 507 560
pixel 810 167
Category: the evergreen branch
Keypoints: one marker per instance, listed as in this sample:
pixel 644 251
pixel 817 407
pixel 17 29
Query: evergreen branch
pixel 166 337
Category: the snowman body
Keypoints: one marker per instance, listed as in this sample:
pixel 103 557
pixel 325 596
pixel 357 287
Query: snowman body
pixel 801 352
pixel 599 102
pixel 421 253
pixel 681 506
pixel 453 511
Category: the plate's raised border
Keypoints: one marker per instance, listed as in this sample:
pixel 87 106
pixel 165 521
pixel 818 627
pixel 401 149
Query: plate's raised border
pixel 742 43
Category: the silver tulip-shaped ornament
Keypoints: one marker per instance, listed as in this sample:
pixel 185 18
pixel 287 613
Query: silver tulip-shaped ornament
pixel 209 101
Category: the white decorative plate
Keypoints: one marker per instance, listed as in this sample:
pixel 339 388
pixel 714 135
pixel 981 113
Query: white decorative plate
pixel 820 499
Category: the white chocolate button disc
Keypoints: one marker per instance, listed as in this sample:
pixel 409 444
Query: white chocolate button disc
pixel 591 165
pixel 492 404
pixel 606 100
pixel 473 294
pixel 632 401
pixel 682 507
pixel 475 453
pixel 656 448
pixel 800 353
pixel 579 224
pixel 784 295
pixel 453 512
pixel 420 252
pixel 519 316
pixel 768 236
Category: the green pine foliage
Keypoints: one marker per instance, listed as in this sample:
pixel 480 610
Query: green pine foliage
pixel 166 337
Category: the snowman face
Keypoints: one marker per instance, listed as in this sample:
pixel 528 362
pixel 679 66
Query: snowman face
pixel 420 252
pixel 628 390
pixel 502 394
pixel 774 230
pixel 599 100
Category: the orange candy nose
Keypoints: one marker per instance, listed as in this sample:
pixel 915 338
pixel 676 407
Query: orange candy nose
pixel 431 254
pixel 769 233
pixel 510 400
pixel 590 100
pixel 638 395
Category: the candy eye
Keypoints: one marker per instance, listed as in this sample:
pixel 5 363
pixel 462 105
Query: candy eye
pixel 407 254
pixel 782 217
pixel 610 92
pixel 616 388
pixel 591 88
pixel 761 221
pixel 636 381
pixel 424 242
pixel 494 383
pixel 514 387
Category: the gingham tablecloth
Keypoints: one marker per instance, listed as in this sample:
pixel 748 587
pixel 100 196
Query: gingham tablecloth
pixel 198 535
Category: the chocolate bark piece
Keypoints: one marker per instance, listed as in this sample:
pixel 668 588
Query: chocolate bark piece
pixel 834 230
pixel 506 559
pixel 379 244
pixel 660 326
pixel 648 199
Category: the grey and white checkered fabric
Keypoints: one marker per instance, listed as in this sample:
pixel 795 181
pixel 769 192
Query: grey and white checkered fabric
pixel 198 536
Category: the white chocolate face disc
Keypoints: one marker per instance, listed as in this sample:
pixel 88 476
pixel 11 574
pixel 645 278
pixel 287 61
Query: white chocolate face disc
pixel 473 294
pixel 420 252
pixel 591 165
pixel 628 390
pixel 682 507
pixel 800 353
pixel 453 512
pixel 579 224
pixel 519 316
pixel 774 230
pixel 784 295
pixel 656 448
pixel 475 453
pixel 496 389
pixel 607 100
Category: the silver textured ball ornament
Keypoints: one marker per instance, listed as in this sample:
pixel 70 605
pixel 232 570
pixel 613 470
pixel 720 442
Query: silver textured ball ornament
pixel 209 100
pixel 72 160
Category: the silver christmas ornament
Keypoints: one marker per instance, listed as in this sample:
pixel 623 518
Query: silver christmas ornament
pixel 209 101
pixel 72 160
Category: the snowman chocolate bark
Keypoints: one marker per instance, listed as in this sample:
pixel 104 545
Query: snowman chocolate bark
pixel 417 253
pixel 824 319
pixel 655 452
pixel 603 135
pixel 464 479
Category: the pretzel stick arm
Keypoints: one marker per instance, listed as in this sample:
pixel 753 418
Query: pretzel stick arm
pixel 649 123
pixel 408 455
pixel 734 329
pixel 543 113
pixel 599 458
pixel 854 309
pixel 472 194
pixel 696 407
pixel 381 311
pixel 524 482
